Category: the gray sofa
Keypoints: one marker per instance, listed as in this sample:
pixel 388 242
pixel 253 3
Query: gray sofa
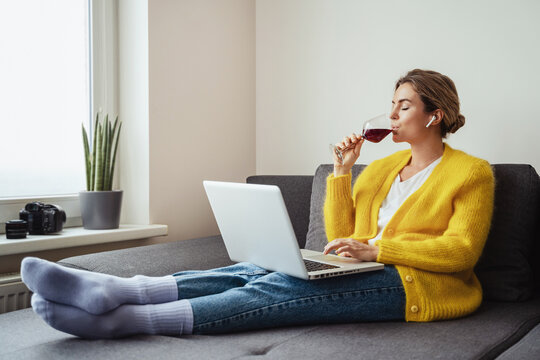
pixel 506 326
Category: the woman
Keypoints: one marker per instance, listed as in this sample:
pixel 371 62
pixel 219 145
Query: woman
pixel 425 213
pixel 426 210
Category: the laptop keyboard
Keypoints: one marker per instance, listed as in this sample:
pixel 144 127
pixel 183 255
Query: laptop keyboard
pixel 314 265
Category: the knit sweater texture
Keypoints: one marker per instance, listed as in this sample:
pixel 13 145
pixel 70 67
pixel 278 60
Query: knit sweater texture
pixel 434 239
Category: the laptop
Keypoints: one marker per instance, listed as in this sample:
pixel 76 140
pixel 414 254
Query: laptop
pixel 256 228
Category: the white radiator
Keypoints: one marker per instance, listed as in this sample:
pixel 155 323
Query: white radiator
pixel 14 295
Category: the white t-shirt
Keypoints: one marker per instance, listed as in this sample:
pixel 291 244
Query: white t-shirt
pixel 399 192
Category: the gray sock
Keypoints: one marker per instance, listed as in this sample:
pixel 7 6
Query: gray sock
pixel 94 292
pixel 172 318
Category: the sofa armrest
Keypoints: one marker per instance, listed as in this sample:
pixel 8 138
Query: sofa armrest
pixel 156 260
pixel 296 191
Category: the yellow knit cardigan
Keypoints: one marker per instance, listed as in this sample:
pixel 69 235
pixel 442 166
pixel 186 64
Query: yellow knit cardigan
pixel 434 239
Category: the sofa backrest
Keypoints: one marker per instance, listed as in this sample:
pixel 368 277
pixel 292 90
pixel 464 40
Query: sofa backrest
pixel 296 191
pixel 508 269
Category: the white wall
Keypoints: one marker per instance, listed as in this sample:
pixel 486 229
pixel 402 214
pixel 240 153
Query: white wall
pixel 324 66
pixel 202 106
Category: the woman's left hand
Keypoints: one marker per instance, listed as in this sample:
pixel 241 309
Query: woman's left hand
pixel 352 248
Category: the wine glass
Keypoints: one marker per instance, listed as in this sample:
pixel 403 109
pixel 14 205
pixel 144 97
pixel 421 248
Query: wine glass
pixel 374 130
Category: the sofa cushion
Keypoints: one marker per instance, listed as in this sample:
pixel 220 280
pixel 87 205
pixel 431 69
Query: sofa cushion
pixel 296 192
pixel 508 268
pixel 505 268
pixel 156 260
pixel 527 348
pixel 316 237
pixel 23 335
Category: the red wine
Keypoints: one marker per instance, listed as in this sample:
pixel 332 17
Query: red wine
pixel 376 135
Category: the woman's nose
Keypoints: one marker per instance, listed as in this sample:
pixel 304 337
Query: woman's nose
pixel 393 115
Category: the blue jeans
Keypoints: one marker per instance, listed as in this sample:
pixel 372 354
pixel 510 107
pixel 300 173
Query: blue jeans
pixel 245 297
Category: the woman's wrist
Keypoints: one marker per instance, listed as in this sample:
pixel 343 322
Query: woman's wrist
pixel 341 170
pixel 375 252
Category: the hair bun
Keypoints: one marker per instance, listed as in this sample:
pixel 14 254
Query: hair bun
pixel 460 121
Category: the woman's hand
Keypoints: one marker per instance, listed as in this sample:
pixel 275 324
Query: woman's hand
pixel 349 156
pixel 352 248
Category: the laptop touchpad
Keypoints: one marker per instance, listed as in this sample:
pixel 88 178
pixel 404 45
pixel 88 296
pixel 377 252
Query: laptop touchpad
pixel 334 258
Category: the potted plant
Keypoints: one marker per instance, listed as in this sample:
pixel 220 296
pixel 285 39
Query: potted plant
pixel 100 205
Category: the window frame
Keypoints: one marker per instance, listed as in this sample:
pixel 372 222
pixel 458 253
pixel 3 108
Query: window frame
pixel 103 90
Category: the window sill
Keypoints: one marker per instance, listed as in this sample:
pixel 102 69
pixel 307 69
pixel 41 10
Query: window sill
pixel 78 236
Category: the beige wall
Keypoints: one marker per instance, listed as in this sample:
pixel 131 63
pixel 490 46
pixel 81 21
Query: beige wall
pixel 202 106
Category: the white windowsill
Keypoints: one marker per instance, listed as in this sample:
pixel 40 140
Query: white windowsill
pixel 78 236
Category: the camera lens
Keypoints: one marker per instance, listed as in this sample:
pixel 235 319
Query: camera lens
pixel 16 229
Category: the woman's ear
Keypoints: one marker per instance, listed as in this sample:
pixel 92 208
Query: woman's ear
pixel 436 118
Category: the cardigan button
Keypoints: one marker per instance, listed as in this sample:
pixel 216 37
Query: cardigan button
pixel 390 231
pixel 408 278
pixel 414 309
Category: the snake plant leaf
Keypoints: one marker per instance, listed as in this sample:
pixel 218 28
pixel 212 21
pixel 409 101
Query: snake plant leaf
pixel 107 155
pixel 94 155
pixel 117 137
pixel 114 129
pixel 86 157
pixel 99 160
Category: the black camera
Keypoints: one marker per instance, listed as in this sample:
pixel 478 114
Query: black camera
pixel 43 218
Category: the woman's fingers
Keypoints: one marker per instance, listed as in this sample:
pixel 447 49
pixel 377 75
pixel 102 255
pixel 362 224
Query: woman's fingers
pixel 342 249
pixel 350 148
pixel 343 245
pixel 329 247
pixel 352 248
pixel 334 244
pixel 358 146
pixel 348 140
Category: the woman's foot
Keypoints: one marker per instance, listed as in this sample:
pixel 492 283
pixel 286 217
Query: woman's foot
pixel 93 292
pixel 173 318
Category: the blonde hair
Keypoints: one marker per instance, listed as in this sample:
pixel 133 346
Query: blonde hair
pixel 437 91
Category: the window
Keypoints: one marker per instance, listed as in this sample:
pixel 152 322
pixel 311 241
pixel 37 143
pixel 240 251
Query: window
pixel 44 96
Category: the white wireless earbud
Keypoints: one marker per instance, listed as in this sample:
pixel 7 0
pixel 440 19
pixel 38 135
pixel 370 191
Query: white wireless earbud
pixel 432 120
